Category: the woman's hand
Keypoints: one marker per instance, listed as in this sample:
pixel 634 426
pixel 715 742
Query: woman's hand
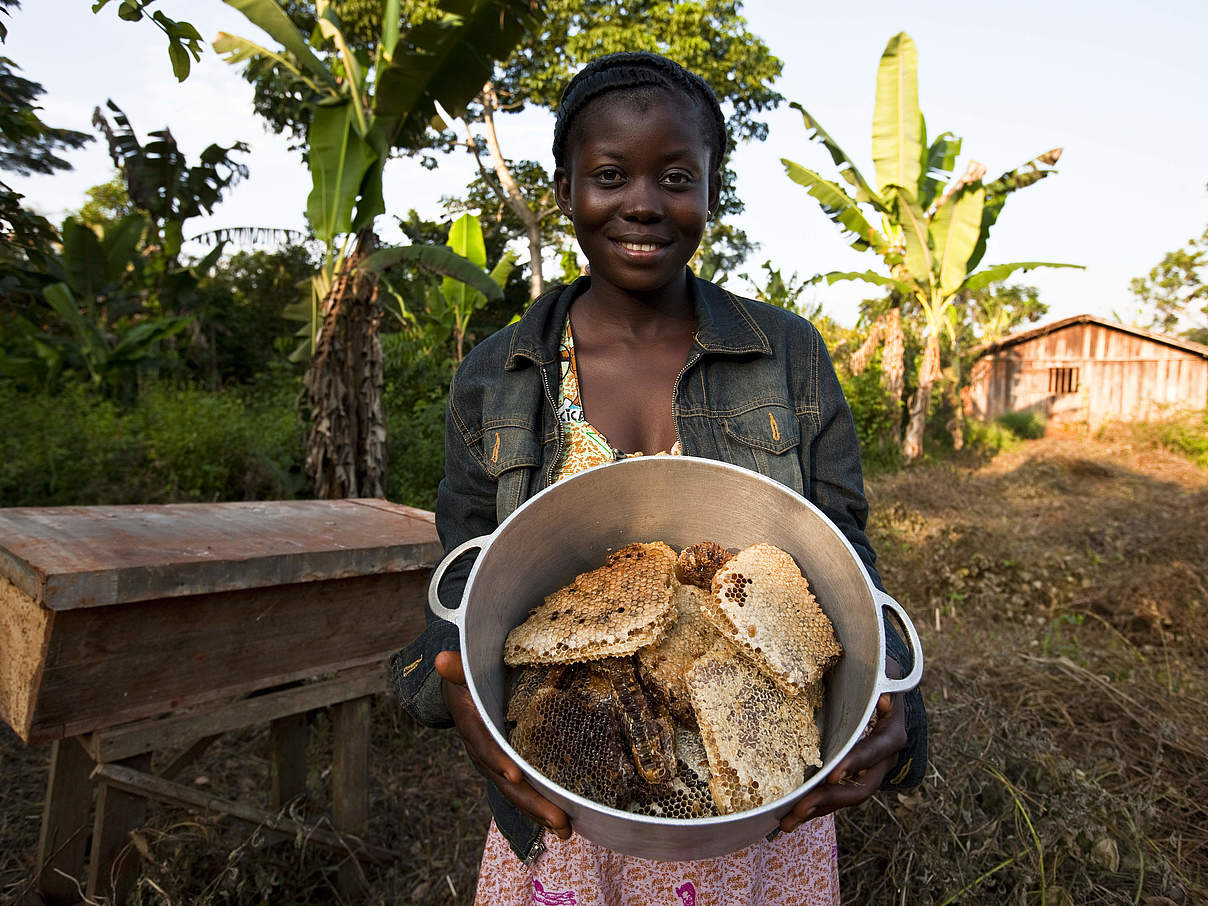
pixel 862 770
pixel 486 753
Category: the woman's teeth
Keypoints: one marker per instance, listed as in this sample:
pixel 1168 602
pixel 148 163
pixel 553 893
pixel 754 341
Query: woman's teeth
pixel 640 246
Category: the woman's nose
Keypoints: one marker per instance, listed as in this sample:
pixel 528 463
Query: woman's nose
pixel 642 201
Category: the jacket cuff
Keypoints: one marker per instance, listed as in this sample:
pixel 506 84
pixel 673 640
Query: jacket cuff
pixel 911 766
pixel 414 677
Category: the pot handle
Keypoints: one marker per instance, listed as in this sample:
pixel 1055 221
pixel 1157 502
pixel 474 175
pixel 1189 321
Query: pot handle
pixel 446 613
pixel 908 682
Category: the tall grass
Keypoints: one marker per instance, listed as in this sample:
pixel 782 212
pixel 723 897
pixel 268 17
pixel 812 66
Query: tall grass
pixel 1185 434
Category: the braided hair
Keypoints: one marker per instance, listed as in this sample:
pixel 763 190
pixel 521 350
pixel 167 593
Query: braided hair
pixel 636 74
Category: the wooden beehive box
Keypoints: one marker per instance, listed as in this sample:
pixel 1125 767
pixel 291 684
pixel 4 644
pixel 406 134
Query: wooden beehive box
pixel 112 614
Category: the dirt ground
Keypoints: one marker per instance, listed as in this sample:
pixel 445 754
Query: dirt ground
pixel 1060 591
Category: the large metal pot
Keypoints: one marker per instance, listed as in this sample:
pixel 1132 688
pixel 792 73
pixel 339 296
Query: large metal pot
pixel 572 526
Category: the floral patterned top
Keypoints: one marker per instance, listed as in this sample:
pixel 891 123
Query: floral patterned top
pixel 583 445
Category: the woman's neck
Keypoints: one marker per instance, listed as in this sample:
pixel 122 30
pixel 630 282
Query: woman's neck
pixel 612 309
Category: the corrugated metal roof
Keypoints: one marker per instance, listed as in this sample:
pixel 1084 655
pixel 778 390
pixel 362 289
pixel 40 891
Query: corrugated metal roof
pixel 1034 332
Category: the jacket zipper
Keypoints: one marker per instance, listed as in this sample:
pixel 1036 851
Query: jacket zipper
pixel 549 395
pixel 693 357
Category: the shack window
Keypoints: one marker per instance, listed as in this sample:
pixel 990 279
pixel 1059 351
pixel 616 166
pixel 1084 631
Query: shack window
pixel 1063 380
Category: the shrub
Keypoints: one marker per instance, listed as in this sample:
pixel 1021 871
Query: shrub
pixel 1185 434
pixel 1025 425
pixel 416 387
pixel 877 416
pixel 177 444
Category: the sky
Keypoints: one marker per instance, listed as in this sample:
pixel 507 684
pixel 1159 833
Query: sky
pixel 1120 86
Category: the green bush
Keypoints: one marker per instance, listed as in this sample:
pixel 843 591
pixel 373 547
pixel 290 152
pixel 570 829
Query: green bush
pixel 1024 425
pixel 989 437
pixel 176 444
pixel 416 387
pixel 1186 435
pixel 877 416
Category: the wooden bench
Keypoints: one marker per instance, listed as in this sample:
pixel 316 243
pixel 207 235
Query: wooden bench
pixel 132 629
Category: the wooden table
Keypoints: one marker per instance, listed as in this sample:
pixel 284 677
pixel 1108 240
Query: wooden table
pixel 126 630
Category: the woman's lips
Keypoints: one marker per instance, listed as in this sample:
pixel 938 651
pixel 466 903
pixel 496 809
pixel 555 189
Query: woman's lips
pixel 640 246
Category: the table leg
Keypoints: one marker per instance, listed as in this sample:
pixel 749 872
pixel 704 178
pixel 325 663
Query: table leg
pixel 64 837
pixel 288 736
pixel 114 864
pixel 350 782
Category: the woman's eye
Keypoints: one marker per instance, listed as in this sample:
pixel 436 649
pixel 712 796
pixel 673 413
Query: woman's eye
pixel 677 178
pixel 609 176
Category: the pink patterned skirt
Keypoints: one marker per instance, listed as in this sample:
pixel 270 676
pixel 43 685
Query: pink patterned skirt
pixel 793 870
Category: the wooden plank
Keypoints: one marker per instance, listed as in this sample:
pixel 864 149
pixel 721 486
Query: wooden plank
pixel 69 557
pixel 180 729
pixel 111 665
pixel 350 783
pixel 141 784
pixel 288 737
pixel 24 638
pixel 66 814
pixel 177 765
pixel 113 866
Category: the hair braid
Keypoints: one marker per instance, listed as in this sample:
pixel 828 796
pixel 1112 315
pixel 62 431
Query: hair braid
pixel 635 72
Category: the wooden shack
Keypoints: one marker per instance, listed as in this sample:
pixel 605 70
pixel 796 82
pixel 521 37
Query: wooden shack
pixel 1087 370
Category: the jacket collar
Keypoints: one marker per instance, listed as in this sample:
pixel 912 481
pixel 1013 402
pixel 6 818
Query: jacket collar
pixel 723 324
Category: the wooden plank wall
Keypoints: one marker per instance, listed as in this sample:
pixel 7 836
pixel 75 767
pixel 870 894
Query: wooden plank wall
pixel 1121 377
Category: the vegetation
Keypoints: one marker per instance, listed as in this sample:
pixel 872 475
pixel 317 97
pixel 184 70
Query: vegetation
pixel 1174 293
pixel 935 228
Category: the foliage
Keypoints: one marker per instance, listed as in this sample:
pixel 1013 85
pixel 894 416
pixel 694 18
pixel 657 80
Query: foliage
pixel 107 203
pixel 1024 425
pixel 1175 291
pixel 776 290
pixel 178 444
pixel 877 416
pixel 183 40
pixel 934 228
pixel 1000 308
pixel 416 388
pixel 28 145
pixel 1185 434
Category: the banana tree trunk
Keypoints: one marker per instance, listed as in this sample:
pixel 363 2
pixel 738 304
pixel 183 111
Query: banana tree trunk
pixel 346 444
pixel 912 446
pixel 512 193
pixel 893 365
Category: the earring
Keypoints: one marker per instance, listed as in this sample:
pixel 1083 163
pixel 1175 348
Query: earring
pixel 708 215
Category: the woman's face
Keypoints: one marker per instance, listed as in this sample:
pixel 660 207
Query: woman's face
pixel 637 185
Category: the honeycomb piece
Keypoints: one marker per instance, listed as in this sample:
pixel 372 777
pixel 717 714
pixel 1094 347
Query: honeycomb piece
pixel 687 794
pixel 608 612
pixel 762 604
pixel 665 666
pixel 697 564
pixel 752 732
pixel 649 730
pixel 568 730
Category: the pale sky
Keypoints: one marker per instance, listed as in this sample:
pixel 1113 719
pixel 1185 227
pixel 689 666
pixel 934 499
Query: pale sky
pixel 1120 86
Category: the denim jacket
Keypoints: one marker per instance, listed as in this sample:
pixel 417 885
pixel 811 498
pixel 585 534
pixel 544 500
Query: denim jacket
pixel 758 390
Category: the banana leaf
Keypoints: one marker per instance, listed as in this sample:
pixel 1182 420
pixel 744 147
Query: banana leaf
pixel 897 122
pixel 439 260
pixel 840 207
pixel 339 159
pixel 996 272
pixel 847 169
pixel 955 229
pixel 268 15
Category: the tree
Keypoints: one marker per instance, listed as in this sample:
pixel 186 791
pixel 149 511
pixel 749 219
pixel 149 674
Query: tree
pixel 360 106
pixel 934 227
pixel 1175 291
pixel 707 36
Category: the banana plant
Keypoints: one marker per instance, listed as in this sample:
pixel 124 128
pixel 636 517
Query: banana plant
pixel 931 227
pixel 362 108
pixel 465 288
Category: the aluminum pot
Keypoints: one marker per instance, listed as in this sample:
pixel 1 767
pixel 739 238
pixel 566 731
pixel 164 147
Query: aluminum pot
pixel 572 526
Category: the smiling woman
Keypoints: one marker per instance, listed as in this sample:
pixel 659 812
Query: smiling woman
pixel 641 356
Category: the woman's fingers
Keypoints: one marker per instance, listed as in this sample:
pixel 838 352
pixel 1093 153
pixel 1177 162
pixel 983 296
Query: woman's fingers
pixel 860 773
pixel 486 754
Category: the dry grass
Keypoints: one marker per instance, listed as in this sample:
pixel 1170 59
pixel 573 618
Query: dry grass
pixel 1060 590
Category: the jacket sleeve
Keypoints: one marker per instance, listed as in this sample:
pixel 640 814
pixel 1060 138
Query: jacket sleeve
pixel 837 488
pixel 465 509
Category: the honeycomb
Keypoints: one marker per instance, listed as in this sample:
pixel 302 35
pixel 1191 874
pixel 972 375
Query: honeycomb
pixel 697 564
pixel 687 794
pixel 608 612
pixel 763 606
pixel 649 729
pixel 753 734
pixel 664 667
pixel 565 725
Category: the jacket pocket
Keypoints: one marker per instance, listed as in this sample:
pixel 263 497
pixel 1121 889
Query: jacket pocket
pixel 510 453
pixel 767 439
